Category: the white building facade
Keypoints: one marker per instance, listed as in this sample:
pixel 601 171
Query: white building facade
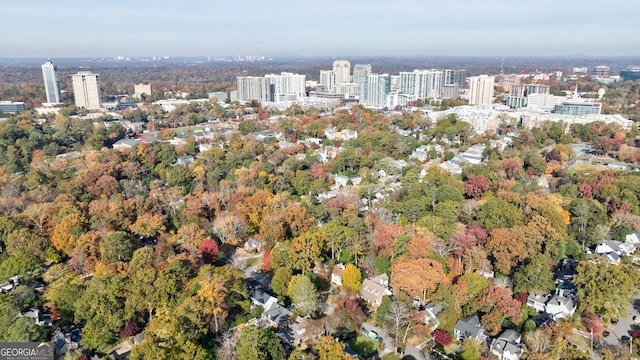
pixel 86 90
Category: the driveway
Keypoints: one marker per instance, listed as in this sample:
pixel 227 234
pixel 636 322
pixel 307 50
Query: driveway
pixel 387 340
pixel 626 324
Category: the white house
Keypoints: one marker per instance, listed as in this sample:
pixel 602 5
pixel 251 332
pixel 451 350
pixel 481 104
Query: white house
pixel 507 346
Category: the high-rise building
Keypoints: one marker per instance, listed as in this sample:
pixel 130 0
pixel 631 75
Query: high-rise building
pixel 253 88
pixel 360 71
pixel 374 89
pixel 286 86
pixel 342 68
pixel 86 90
pixel 480 90
pixel 632 73
pixel 142 89
pixel 422 84
pixel 455 77
pixel 327 80
pixel 51 83
pixel 601 71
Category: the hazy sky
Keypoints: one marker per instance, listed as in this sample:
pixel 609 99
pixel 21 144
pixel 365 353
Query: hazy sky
pixel 65 28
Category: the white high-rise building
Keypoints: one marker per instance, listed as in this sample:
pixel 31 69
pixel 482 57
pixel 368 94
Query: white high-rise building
pixel 286 86
pixel 327 80
pixel 480 90
pixel 342 68
pixel 253 88
pixel 374 89
pixel 422 84
pixel 51 83
pixel 86 90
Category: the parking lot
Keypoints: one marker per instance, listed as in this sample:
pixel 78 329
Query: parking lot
pixel 625 325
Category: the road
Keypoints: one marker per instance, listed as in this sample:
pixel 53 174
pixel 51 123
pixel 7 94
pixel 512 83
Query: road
pixel 626 324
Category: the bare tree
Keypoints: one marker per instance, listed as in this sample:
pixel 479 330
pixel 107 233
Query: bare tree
pixel 398 319
pixel 538 342
pixel 227 348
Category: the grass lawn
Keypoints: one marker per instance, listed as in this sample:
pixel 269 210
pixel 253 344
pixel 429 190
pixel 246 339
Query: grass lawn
pixel 390 356
pixel 364 346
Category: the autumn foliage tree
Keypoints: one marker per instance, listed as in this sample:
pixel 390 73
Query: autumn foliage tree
pixel 352 278
pixel 418 277
pixel 475 186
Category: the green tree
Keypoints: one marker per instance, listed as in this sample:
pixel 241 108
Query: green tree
pixel 280 281
pixel 604 288
pixel 536 276
pixel 118 246
pixel 254 344
pixel 101 307
pixel 471 349
pixel 304 295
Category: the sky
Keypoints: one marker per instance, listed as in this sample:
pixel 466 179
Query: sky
pixel 134 28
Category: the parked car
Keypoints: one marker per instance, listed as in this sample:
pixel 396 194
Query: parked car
pixel 606 333
pixel 373 336
pixel 636 319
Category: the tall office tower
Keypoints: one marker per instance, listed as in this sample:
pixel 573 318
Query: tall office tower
pixel 253 88
pixel 51 83
pixel 327 79
pixel 286 86
pixel 480 90
pixel 342 68
pixel 455 77
pixel 360 71
pixel 86 90
pixel 374 89
pixel 422 83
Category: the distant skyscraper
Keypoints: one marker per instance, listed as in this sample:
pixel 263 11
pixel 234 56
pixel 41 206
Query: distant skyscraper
pixel 374 89
pixel 253 88
pixel 51 83
pixel 86 90
pixel 342 68
pixel 455 77
pixel 360 71
pixel 142 89
pixel 422 84
pixel 480 90
pixel 286 86
pixel 327 79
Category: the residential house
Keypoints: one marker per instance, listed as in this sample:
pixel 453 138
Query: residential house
pixel 613 250
pixel 65 341
pixel 561 306
pixel 253 245
pixel 431 312
pixel 469 327
pixel 300 331
pixel 185 160
pixel 507 346
pixel 275 314
pixel 38 317
pixel 374 289
pixel 336 274
pixel 537 302
pixel 266 134
pixel 342 181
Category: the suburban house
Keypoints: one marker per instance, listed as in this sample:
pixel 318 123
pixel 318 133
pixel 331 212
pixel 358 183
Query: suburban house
pixel 38 317
pixel 431 311
pixel 507 346
pixel 253 245
pixel 336 274
pixel 613 250
pixel 373 290
pixel 537 302
pixel 561 304
pixel 342 181
pixel 469 327
pixel 266 134
pixel 275 314
pixel 299 331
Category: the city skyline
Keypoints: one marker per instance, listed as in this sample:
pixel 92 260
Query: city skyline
pixel 349 28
